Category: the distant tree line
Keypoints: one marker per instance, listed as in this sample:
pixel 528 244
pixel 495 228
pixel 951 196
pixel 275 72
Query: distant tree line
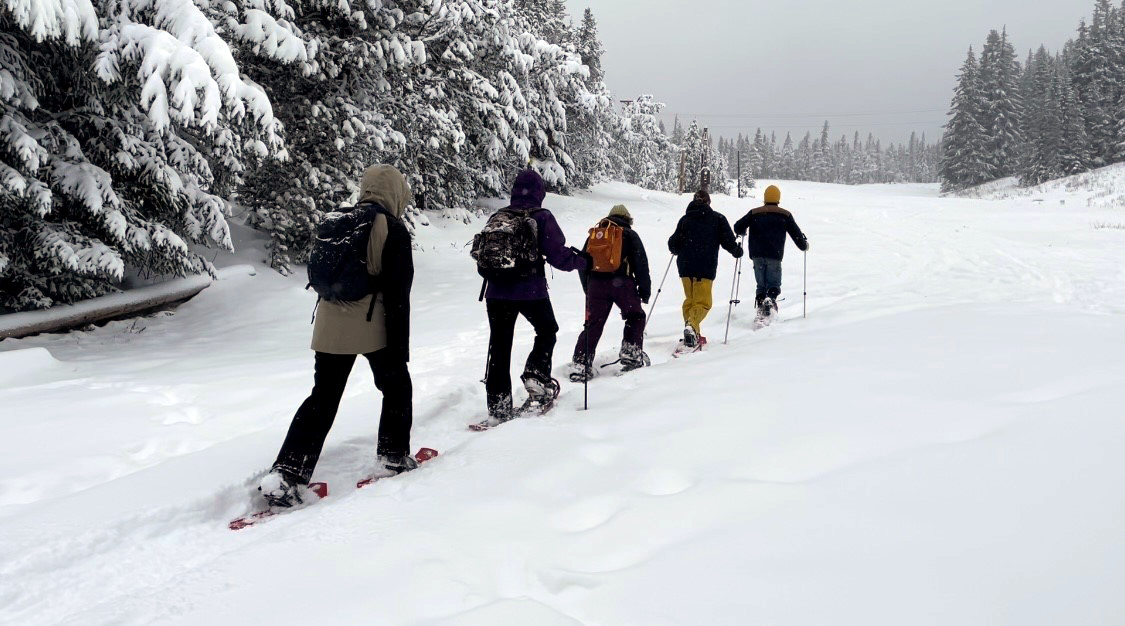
pixel 844 161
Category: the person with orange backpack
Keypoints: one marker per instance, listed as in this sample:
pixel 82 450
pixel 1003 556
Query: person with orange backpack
pixel 618 274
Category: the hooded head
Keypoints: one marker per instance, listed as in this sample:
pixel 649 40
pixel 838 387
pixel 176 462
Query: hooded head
pixel 772 195
pixel 620 211
pixel 528 190
pixel 384 185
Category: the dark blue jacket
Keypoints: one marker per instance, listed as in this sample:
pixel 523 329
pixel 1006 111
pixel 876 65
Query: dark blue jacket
pixel 697 239
pixel 765 228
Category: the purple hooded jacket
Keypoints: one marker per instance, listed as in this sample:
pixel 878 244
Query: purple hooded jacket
pixel 528 192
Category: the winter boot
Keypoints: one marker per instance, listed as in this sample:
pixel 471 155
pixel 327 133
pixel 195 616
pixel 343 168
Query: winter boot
pixel 765 308
pixel 540 391
pixel 580 373
pixel 690 338
pixel 279 488
pixel 632 357
pixel 499 408
pixel 769 305
pixel 387 465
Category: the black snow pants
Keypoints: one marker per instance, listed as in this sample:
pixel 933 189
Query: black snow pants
pixel 301 449
pixel 502 315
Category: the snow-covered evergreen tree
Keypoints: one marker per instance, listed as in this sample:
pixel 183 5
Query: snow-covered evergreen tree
pixel 1097 80
pixel 747 155
pixel 458 95
pixel 692 156
pixel 594 123
pixel 964 162
pixel 1044 122
pixel 122 127
pixel 546 19
pixel 1001 104
pixel 648 154
pixel 1074 149
pixel 590 47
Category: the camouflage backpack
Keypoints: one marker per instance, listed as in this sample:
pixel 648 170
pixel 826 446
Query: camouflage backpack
pixel 507 248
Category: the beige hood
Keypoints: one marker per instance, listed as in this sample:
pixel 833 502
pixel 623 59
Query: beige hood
pixel 385 185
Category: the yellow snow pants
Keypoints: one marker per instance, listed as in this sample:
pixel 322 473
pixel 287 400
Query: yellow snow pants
pixel 697 301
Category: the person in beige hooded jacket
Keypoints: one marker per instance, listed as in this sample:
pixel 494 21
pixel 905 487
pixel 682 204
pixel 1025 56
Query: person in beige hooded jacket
pixel 342 331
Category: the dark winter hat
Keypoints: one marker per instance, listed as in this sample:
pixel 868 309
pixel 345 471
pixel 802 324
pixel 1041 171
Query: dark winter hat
pixel 703 196
pixel 528 190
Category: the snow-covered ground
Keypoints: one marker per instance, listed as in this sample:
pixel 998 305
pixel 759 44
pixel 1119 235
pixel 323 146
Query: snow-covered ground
pixel 939 442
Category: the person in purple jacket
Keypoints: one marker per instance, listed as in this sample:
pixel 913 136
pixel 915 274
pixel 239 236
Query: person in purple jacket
pixel 507 300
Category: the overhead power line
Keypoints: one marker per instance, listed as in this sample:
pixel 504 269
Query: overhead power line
pixel 802 115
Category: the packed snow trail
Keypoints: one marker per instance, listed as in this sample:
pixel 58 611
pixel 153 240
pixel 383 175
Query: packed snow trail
pixel 937 443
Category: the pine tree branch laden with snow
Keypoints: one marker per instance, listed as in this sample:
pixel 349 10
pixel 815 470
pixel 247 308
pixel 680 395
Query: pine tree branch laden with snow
pixel 113 119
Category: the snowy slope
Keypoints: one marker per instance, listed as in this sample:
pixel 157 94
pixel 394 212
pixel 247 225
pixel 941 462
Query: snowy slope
pixel 937 443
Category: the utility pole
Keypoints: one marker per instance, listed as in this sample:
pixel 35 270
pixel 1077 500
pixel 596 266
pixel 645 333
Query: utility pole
pixel 705 158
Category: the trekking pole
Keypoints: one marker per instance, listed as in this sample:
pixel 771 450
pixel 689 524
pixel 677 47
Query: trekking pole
pixel 805 286
pixel 651 308
pixel 734 285
pixel 588 360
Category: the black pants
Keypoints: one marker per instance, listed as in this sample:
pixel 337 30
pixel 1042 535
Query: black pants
pixel 502 315
pixel 310 426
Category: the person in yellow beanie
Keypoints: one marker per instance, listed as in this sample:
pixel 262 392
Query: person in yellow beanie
pixel 765 228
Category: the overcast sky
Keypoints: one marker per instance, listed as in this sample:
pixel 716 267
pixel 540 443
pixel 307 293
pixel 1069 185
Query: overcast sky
pixel 884 66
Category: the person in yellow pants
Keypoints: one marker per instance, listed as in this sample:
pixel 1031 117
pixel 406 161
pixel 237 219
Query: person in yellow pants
pixel 697 301
pixel 699 234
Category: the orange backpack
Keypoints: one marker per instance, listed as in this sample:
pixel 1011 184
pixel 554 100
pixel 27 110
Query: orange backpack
pixel 604 246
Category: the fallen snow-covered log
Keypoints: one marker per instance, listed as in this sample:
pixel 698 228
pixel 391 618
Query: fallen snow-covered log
pixel 107 308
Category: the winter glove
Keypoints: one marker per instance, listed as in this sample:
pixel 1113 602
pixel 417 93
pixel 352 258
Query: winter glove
pixel 586 258
pixel 644 299
pixel 738 253
pixel 804 245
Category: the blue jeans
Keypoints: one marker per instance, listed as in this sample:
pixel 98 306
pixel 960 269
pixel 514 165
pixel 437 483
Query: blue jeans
pixel 768 274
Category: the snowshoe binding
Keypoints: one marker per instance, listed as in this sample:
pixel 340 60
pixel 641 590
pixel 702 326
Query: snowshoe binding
pixel 632 357
pixel 767 311
pixel 541 395
pixel 390 465
pixel 579 373
pixel 282 493
pixel 280 489
pixel 690 343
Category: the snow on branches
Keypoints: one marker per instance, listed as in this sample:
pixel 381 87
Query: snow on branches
pixel 110 141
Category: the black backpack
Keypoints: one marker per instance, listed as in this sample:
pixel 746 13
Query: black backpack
pixel 338 261
pixel 507 248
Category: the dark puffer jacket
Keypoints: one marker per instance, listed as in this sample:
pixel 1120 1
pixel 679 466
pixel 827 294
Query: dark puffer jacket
pixel 765 228
pixel 697 239
pixel 634 261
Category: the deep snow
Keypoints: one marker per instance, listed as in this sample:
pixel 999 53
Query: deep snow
pixel 937 443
